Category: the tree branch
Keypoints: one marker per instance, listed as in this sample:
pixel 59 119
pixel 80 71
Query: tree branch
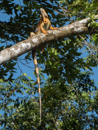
pixel 76 28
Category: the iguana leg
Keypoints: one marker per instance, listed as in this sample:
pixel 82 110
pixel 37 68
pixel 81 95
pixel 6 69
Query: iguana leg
pixel 43 31
pixel 52 28
pixel 31 34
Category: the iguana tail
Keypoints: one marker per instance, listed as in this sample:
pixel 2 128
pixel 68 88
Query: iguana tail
pixel 38 79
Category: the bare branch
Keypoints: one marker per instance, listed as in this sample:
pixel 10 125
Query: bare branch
pixel 88 46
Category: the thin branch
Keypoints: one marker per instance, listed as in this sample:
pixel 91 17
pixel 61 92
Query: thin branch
pixel 88 46
pixel 19 67
pixel 25 64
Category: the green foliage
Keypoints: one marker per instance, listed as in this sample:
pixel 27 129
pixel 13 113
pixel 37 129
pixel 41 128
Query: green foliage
pixel 69 95
pixel 62 105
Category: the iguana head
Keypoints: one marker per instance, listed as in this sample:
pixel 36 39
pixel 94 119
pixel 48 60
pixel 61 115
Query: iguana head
pixel 43 13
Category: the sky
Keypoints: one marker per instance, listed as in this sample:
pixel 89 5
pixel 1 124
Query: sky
pixel 27 70
pixel 4 17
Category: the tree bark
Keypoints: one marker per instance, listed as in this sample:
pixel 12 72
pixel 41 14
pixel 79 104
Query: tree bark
pixel 73 29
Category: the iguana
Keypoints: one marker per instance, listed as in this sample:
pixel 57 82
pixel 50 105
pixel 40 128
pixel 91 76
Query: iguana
pixel 43 25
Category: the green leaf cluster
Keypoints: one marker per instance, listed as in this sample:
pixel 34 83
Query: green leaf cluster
pixel 69 95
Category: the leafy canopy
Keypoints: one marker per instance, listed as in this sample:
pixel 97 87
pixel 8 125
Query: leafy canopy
pixel 69 95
